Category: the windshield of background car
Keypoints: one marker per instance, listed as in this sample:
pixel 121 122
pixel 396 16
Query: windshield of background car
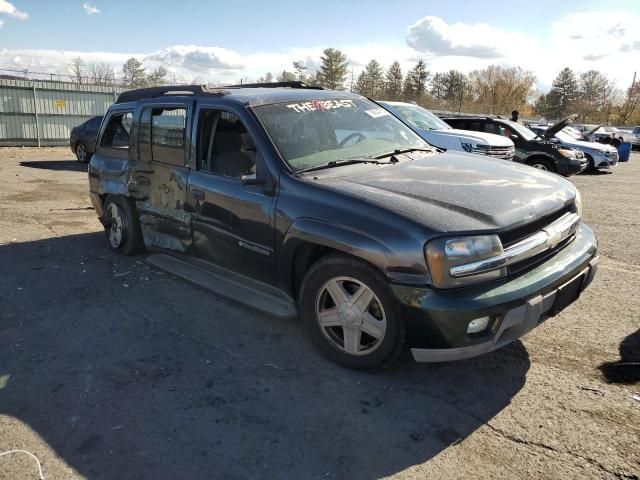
pixel 312 133
pixel 418 117
pixel 523 131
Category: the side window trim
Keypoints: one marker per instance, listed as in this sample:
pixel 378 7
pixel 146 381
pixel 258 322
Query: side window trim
pixel 201 108
pixel 109 150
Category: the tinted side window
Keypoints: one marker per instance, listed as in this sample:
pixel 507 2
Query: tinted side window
pixel 168 135
pixel 492 128
pixel 118 131
pixel 224 145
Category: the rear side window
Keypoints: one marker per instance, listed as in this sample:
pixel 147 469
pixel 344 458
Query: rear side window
pixel 118 132
pixel 162 134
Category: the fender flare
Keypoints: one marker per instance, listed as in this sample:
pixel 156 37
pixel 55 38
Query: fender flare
pixel 337 237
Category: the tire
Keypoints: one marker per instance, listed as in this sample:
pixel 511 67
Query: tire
pixel 542 164
pixel 122 226
pixel 82 154
pixel 591 165
pixel 362 328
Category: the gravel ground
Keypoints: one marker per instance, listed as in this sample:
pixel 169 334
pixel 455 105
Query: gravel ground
pixel 112 369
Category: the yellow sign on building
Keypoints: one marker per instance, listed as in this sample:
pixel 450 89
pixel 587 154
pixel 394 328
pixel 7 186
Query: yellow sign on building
pixel 59 103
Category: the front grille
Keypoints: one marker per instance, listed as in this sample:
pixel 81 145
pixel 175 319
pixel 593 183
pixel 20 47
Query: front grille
pixel 514 235
pixel 526 265
pixel 505 153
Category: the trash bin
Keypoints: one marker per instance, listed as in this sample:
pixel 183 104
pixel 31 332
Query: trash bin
pixel 624 152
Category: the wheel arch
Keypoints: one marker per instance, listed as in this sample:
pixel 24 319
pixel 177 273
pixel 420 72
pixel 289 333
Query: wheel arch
pixel 309 240
pixel 539 156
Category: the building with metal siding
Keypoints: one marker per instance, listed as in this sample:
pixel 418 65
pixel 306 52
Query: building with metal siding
pixel 34 113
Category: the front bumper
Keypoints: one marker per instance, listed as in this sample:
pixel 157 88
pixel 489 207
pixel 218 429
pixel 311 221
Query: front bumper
pixel 572 166
pixel 437 320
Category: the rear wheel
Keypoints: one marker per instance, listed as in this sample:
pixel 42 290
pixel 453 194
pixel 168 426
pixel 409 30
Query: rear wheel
pixel 122 226
pixel 542 164
pixel 82 154
pixel 349 313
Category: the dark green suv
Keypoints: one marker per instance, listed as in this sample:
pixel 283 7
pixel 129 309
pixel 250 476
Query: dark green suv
pixel 321 204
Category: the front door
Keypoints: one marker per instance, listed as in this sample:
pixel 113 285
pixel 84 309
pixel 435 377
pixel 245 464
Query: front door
pixel 233 218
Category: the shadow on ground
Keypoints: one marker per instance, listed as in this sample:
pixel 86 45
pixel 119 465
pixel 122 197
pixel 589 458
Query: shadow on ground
pixel 627 369
pixel 128 373
pixel 60 165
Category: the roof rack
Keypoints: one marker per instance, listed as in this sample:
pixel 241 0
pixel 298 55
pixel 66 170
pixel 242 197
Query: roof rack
pixel 155 92
pixel 293 84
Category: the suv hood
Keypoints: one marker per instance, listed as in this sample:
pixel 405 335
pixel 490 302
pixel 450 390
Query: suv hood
pixel 553 129
pixel 472 136
pixel 455 191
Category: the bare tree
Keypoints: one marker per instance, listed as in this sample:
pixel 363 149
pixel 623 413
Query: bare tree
pixel 101 74
pixel 76 70
pixel 497 89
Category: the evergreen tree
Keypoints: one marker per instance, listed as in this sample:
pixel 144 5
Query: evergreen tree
pixel 134 74
pixel 393 82
pixel 333 69
pixel 415 85
pixel 285 76
pixel 564 93
pixel 362 85
pixel 373 80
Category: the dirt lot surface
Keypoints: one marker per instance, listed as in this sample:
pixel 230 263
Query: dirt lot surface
pixel 112 369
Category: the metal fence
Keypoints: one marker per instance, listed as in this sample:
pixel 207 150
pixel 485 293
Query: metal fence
pixel 40 113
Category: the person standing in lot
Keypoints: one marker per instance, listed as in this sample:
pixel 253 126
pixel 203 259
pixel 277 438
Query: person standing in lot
pixel 515 115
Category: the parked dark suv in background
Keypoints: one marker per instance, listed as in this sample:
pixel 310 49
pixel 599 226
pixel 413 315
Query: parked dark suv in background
pixel 531 149
pixel 298 200
pixel 83 139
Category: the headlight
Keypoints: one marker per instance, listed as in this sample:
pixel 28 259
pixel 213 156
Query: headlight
pixel 567 152
pixel 443 253
pixel 474 148
pixel 578 203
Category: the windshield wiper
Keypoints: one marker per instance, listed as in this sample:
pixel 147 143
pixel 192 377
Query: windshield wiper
pixel 404 150
pixel 339 163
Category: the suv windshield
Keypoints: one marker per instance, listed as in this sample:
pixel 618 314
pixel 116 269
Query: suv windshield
pixel 418 117
pixel 313 133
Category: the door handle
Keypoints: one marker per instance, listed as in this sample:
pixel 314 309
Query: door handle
pixel 197 194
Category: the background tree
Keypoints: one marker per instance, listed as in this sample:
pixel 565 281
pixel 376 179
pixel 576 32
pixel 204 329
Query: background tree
pixel 499 90
pixel 134 74
pixel 393 82
pixel 563 94
pixel 333 69
pixel 101 74
pixel 286 76
pixel 415 84
pixel 453 83
pixel 594 94
pixel 371 81
pixel 266 78
pixel 157 77
pixel 438 89
pixel 76 70
pixel 300 69
pixel 629 107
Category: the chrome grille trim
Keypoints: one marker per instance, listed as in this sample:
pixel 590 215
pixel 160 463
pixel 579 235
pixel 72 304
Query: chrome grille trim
pixel 546 239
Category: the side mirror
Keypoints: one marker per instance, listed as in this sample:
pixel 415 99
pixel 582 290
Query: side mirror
pixel 251 179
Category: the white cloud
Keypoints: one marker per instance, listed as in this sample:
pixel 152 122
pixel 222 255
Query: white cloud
pixel 604 41
pixel 1 23
pixel 8 9
pixel 90 9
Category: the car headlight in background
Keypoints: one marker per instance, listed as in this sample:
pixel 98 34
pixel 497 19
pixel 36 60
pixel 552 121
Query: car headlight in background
pixel 578 203
pixel 443 253
pixel 567 152
pixel 474 148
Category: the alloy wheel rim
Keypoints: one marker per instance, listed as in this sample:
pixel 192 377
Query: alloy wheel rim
pixel 81 152
pixel 539 166
pixel 350 316
pixel 116 225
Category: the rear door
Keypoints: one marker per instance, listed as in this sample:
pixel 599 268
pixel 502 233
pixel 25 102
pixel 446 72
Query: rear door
pixel 162 173
pixel 233 218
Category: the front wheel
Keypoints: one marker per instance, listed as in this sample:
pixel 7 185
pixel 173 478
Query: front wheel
pixel 542 164
pixel 122 226
pixel 349 313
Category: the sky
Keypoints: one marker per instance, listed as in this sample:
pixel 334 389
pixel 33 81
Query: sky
pixel 214 41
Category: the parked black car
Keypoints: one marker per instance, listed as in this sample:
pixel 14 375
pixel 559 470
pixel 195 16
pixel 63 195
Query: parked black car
pixel 297 200
pixel 83 139
pixel 531 149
